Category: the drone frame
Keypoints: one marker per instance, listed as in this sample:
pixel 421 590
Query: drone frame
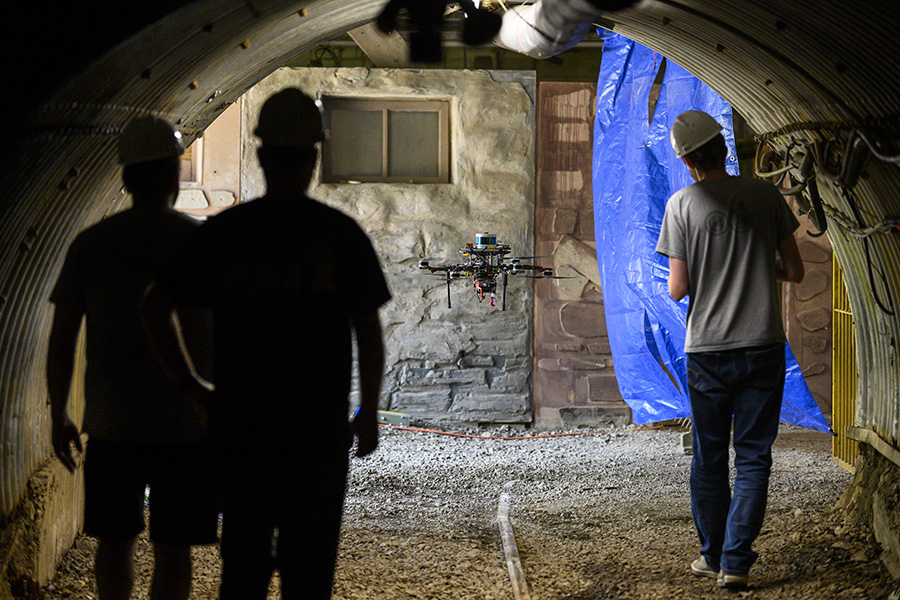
pixel 485 262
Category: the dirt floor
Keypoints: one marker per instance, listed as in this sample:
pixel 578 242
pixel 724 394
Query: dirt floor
pixel 596 515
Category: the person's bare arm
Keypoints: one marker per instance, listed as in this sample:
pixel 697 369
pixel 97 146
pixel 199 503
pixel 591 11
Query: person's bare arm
pixel 790 267
pixel 678 279
pixel 371 371
pixel 157 311
pixel 60 368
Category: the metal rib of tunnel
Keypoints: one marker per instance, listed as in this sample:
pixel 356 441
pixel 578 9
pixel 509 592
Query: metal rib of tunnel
pixel 797 74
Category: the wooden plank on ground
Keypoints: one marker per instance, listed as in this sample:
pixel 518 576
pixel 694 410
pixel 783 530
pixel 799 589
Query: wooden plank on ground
pixel 511 551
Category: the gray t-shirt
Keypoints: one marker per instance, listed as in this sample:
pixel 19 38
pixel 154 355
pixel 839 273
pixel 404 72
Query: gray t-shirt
pixel 727 230
pixel 106 272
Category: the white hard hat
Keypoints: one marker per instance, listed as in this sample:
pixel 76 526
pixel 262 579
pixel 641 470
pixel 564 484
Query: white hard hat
pixel 691 130
pixel 290 118
pixel 148 138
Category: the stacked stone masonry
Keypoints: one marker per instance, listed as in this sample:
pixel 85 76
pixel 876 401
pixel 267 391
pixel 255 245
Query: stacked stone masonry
pixel 472 362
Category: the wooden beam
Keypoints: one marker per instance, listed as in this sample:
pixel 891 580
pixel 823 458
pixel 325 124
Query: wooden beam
pixel 511 551
pixel 385 50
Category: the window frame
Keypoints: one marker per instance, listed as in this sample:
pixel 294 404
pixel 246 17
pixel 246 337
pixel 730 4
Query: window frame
pixel 385 106
pixel 192 172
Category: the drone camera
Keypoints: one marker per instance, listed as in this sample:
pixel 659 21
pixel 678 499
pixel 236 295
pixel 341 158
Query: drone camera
pixel 423 264
pixel 548 273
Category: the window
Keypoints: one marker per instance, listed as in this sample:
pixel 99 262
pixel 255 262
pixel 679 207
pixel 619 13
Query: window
pixel 390 141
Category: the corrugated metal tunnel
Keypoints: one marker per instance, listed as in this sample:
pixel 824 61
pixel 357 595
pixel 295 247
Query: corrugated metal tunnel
pixel 798 74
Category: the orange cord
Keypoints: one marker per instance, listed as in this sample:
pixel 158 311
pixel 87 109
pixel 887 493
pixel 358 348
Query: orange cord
pixel 520 437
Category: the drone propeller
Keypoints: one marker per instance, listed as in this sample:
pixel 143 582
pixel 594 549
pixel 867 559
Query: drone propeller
pixel 425 263
pixel 446 276
pixel 548 276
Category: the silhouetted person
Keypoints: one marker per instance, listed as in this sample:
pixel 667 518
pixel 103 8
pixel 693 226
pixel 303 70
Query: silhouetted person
pixel 141 430
pixel 289 281
pixel 729 240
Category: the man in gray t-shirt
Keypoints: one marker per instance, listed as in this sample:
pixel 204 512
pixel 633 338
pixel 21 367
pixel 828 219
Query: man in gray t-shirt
pixel 729 240
pixel 727 231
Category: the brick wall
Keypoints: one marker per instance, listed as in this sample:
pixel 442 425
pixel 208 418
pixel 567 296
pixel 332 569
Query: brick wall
pixel 574 381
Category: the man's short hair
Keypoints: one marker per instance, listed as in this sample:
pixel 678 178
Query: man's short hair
pixel 710 156
pixel 151 178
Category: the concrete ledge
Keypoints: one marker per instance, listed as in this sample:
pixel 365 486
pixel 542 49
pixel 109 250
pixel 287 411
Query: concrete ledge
pixel 41 528
pixel 885 534
pixel 873 500
pixel 867 436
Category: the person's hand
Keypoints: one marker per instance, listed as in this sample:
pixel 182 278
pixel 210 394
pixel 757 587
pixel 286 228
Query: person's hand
pixel 198 392
pixel 65 434
pixel 365 428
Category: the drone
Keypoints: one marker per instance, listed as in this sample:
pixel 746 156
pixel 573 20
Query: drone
pixel 486 262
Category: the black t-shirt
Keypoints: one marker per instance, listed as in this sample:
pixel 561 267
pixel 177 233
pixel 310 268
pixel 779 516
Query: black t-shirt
pixel 284 277
pixel 106 272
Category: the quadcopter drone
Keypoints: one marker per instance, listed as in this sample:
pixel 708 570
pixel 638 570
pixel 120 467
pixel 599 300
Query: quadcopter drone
pixel 486 262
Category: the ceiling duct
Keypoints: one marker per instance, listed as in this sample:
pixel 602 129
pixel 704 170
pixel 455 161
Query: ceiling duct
pixel 549 27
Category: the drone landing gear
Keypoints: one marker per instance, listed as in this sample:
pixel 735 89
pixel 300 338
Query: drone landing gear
pixel 448 290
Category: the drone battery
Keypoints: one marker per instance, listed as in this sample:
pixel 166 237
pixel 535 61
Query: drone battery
pixel 485 240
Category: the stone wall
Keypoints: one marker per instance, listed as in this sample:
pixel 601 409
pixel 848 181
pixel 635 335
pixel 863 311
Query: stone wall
pixel 471 362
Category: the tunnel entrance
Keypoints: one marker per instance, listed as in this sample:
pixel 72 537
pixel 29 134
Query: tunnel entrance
pixel 197 60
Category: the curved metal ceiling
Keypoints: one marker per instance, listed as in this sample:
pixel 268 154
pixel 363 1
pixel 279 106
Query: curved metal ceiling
pixel 793 71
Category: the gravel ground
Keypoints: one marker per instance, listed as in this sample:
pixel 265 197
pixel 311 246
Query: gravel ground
pixel 596 515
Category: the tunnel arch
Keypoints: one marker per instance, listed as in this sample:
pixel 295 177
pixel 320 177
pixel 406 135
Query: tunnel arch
pixel 792 73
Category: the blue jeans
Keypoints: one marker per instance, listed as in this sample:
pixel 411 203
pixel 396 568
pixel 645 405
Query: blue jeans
pixel 744 385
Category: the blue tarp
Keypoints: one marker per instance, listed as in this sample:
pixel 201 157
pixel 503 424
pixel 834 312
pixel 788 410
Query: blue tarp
pixel 634 173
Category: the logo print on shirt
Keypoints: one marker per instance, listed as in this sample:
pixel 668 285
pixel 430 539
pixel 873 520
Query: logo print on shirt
pixel 718 223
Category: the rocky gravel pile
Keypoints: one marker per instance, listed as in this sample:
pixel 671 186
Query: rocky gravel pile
pixel 596 515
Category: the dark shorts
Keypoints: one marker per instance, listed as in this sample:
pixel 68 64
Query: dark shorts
pixel 183 502
pixel 298 493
